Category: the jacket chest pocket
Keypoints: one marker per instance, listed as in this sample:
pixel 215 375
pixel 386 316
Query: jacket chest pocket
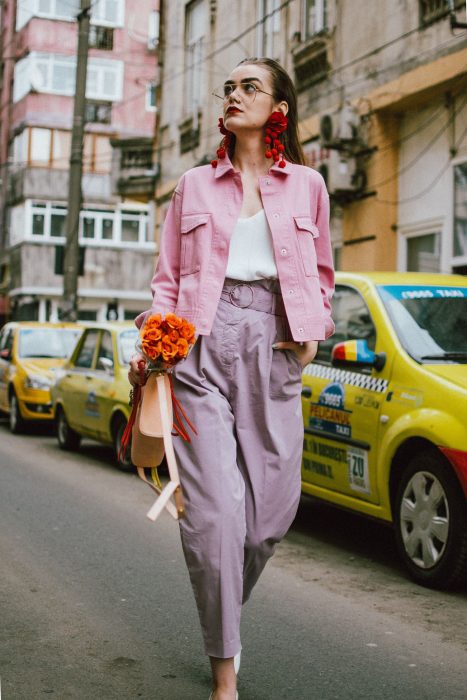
pixel 307 231
pixel 195 242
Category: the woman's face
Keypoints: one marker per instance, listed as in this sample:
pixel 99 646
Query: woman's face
pixel 250 104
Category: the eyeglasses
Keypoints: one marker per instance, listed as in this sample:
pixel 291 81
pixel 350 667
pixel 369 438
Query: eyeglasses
pixel 247 91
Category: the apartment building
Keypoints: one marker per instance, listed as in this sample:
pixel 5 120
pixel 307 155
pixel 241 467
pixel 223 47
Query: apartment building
pixel 38 59
pixel 382 108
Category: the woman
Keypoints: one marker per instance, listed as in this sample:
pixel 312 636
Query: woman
pixel 246 257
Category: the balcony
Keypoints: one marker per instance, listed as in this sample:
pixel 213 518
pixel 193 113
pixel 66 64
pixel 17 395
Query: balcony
pixel 311 60
pixel 434 10
pixel 134 172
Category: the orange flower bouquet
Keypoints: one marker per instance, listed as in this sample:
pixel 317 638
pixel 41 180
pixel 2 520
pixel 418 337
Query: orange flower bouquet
pixel 166 341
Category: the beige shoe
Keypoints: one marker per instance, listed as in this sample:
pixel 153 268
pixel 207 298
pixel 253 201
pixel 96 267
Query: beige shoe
pixel 237 658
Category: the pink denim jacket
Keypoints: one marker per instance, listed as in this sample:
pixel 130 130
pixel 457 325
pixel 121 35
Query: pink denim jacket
pixel 195 244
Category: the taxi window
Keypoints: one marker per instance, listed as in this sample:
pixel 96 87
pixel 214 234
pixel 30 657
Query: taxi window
pixel 6 339
pixel 126 344
pixel 87 350
pixel 352 319
pixel 105 348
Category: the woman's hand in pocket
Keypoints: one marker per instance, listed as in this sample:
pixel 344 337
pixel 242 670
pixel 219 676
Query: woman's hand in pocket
pixel 306 352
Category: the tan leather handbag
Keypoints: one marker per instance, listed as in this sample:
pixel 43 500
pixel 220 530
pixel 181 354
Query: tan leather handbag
pixel 151 438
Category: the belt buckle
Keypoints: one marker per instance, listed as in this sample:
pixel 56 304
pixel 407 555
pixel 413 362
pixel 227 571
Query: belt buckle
pixel 234 301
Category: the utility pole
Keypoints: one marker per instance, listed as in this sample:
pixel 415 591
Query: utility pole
pixel 69 305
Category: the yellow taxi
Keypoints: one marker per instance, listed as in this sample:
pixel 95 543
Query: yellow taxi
pixel 385 413
pixel 90 393
pixel 30 353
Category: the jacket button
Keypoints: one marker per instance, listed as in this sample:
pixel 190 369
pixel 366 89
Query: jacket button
pixel 283 251
pixel 268 182
pixel 276 215
pixel 291 291
pixel 300 330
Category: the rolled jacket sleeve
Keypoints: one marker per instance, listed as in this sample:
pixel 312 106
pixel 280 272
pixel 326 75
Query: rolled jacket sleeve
pixel 166 279
pixel 325 258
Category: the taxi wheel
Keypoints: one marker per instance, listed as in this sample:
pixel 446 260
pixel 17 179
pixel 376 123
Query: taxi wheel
pixel 16 421
pixel 118 428
pixel 431 522
pixel 68 439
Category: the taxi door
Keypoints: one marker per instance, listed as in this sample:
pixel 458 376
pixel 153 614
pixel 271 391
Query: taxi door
pixel 341 409
pixel 76 385
pixel 6 347
pixel 103 387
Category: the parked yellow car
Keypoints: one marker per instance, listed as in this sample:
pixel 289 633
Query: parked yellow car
pixel 30 353
pixel 385 413
pixel 91 391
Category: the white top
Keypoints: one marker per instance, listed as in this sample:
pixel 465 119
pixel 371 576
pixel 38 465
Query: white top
pixel 251 254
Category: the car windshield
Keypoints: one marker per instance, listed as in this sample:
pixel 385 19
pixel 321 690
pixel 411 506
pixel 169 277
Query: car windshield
pixel 126 345
pixel 47 342
pixel 431 321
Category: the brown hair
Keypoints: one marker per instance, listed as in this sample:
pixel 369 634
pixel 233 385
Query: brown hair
pixel 283 89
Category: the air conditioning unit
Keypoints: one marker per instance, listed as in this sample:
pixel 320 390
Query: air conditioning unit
pixel 341 128
pixel 341 174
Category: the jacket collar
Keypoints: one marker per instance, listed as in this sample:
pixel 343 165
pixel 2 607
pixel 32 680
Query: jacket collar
pixel 224 165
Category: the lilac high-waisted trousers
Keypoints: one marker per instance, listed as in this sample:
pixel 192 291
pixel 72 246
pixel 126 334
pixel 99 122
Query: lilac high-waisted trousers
pixel 241 474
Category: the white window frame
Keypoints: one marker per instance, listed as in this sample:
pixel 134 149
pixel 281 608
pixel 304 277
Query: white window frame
pixel 194 53
pixel 268 28
pixel 36 66
pixel 150 107
pixel 136 213
pixel 322 9
pixel 30 8
pixel 423 228
pixel 455 260
pixel 98 14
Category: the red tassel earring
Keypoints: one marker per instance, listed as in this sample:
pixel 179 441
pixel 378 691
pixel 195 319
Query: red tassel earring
pixel 222 150
pixel 275 125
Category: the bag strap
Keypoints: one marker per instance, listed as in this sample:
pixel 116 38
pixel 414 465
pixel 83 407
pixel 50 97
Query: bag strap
pixel 173 487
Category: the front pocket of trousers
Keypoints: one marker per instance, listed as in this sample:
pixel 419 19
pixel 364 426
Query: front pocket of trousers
pixel 286 375
pixel 195 243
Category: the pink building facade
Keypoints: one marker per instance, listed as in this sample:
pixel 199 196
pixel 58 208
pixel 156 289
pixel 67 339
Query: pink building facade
pixel 39 46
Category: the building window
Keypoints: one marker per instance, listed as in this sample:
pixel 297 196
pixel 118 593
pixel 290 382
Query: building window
pixel 38 220
pixel 51 147
pixel 153 30
pixel 40 152
pixel 315 17
pixel 109 12
pixel 51 73
pixel 195 26
pixel 269 31
pixel 101 37
pixel 47 221
pixel 151 92
pixel 460 211
pixel 423 253
pixel 98 112
pixel 49 9
pixel 58 222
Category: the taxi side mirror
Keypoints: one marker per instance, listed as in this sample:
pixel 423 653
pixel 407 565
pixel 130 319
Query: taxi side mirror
pixel 356 353
pixel 5 354
pixel 106 364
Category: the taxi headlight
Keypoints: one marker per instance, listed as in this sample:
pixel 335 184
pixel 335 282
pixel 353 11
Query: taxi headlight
pixel 37 381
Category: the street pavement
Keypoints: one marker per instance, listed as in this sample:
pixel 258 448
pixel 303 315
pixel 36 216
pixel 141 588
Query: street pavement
pixel 96 604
